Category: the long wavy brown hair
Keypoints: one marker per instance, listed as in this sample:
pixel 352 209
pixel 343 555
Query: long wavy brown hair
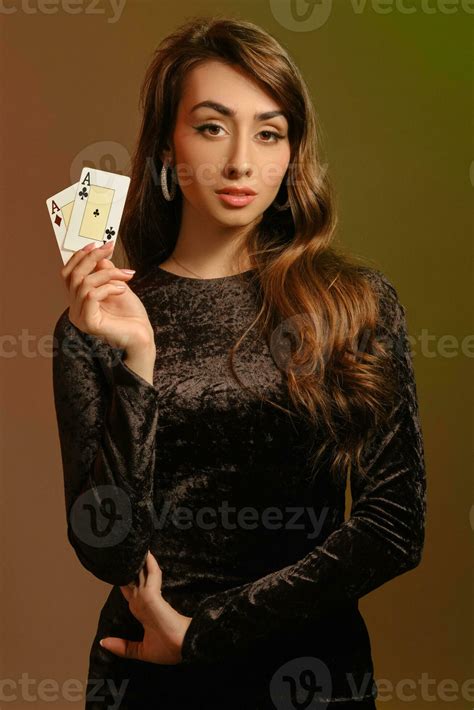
pixel 308 288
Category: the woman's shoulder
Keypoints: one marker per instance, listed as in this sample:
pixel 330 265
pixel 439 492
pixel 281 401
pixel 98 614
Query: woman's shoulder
pixel 391 309
pixel 379 281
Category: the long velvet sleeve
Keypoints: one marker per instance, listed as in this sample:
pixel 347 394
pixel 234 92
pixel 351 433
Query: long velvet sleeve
pixel 382 538
pixel 107 417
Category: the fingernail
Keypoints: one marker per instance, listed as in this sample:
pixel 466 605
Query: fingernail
pixel 106 245
pixel 128 271
pixel 101 642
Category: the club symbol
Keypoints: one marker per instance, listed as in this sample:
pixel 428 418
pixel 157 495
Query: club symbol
pixel 96 213
pixel 83 193
pixel 110 232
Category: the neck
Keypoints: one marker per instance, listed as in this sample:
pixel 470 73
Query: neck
pixel 207 248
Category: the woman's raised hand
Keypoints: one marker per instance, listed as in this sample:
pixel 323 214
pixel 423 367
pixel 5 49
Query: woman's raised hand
pixel 102 304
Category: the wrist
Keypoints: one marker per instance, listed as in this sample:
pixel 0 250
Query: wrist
pixel 144 349
pixel 142 362
pixel 145 354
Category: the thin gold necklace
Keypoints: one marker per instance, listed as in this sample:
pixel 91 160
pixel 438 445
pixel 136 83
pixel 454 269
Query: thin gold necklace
pixel 193 272
pixel 184 267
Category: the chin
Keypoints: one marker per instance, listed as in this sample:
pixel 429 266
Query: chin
pixel 234 220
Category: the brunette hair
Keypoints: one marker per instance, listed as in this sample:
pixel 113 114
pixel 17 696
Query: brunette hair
pixel 319 292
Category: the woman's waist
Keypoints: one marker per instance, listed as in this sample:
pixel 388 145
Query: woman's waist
pixel 220 558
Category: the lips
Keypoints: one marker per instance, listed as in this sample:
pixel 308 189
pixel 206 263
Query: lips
pixel 236 191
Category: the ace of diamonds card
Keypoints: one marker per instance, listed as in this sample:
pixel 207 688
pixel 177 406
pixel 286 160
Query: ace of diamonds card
pixel 97 209
pixel 59 210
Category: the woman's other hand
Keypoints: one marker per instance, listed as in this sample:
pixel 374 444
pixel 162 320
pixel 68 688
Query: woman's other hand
pixel 164 627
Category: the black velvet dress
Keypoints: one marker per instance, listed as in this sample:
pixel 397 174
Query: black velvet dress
pixel 217 484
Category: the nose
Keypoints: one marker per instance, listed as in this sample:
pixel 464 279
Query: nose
pixel 237 163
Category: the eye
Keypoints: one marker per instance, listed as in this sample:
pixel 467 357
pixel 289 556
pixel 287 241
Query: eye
pixel 274 135
pixel 205 126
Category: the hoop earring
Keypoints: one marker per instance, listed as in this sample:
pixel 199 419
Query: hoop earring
pixel 164 183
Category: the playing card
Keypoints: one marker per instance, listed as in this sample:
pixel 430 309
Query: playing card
pixel 59 210
pixel 97 209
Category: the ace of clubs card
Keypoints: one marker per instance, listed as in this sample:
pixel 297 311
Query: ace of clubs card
pixel 97 209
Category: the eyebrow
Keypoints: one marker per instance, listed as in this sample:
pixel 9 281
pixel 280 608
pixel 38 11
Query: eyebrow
pixel 226 111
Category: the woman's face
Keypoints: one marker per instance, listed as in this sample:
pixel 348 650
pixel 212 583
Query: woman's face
pixel 240 149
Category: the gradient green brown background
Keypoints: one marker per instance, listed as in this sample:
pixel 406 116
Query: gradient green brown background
pixel 393 91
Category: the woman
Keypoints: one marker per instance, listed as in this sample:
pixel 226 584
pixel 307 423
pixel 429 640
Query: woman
pixel 213 407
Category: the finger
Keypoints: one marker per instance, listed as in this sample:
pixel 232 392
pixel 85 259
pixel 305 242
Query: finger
pixel 84 261
pixel 152 563
pixel 97 278
pixel 91 282
pixel 82 279
pixel 72 263
pixel 79 255
pixel 105 264
pixel 122 647
pixel 142 577
pixel 94 296
pixel 153 569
